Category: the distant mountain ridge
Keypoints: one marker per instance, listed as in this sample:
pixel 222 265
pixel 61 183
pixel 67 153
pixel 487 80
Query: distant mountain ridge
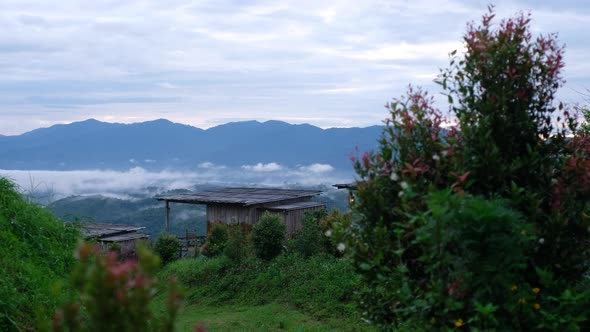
pixel 161 144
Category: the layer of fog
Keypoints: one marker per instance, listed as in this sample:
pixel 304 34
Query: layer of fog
pixel 125 184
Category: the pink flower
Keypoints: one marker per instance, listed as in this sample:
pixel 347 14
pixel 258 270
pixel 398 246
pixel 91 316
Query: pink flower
pixel 366 160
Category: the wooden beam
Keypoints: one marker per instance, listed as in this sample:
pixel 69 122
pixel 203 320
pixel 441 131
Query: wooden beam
pixel 167 217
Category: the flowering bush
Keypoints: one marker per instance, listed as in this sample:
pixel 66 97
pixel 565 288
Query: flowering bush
pixel 115 296
pixel 484 225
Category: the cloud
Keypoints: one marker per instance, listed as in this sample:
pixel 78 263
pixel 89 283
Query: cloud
pixel 206 165
pixel 333 63
pixel 33 20
pixel 167 85
pixel 137 180
pixel 317 168
pixel 396 51
pixel 71 100
pixel 351 89
pixel 260 167
pixel 210 165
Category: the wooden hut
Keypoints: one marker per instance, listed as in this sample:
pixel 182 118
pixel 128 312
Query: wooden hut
pixel 106 234
pixel 245 206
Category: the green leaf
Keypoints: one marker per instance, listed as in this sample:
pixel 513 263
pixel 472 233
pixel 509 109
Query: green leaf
pixel 399 252
pixel 485 310
pixel 365 266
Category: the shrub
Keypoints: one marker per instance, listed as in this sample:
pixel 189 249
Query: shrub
pixel 35 257
pixel 216 240
pixel 193 272
pixel 237 247
pixel 114 246
pixel 449 217
pixel 473 250
pixel 320 285
pixel 336 227
pixel 310 240
pixel 322 232
pixel 168 248
pixel 268 236
pixel 115 296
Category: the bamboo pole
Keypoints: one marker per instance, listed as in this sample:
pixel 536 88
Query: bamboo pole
pixel 167 217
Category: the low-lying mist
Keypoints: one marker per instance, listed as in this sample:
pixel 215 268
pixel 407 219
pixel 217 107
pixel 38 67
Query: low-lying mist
pixel 53 185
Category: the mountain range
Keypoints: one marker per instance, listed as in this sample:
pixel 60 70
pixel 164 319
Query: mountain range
pixel 161 144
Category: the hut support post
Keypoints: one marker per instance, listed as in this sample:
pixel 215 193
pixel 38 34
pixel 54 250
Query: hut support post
pixel 167 217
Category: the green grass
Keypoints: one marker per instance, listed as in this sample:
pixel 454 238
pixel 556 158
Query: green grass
pixel 269 317
pixel 322 285
pixel 290 293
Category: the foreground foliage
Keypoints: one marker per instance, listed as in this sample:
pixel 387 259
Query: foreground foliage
pixel 35 255
pixel 114 295
pixel 485 225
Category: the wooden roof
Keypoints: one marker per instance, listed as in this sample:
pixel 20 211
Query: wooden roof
pixel 124 237
pixel 240 196
pixel 351 186
pixel 94 230
pixel 295 206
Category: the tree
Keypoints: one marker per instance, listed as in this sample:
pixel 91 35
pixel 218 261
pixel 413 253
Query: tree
pixel 502 93
pixel 438 206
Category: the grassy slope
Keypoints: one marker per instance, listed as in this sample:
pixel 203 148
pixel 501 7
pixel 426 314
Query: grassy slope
pixel 269 317
pixel 289 293
pixel 35 255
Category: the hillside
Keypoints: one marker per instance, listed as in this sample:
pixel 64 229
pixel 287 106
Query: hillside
pixel 144 212
pixel 35 256
pixel 161 144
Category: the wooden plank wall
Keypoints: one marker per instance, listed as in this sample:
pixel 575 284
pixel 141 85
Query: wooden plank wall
pixel 127 247
pixel 229 214
pixel 234 214
pixel 260 211
pixel 294 219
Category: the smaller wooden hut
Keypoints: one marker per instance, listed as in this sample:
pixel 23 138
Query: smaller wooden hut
pixel 293 213
pixel 245 206
pixel 125 236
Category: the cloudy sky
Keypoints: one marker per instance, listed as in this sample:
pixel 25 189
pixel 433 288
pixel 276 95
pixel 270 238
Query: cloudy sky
pixel 328 63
